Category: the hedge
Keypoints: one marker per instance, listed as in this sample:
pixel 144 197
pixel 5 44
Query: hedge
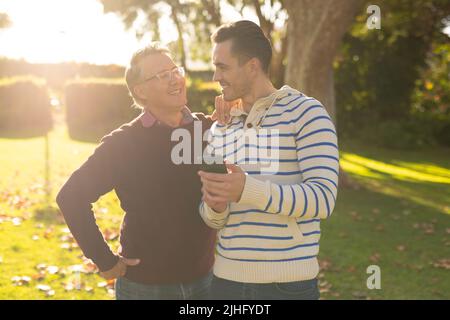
pixel 25 109
pixel 95 108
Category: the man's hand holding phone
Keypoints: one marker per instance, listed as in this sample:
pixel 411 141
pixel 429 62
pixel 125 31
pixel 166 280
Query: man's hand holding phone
pixel 219 189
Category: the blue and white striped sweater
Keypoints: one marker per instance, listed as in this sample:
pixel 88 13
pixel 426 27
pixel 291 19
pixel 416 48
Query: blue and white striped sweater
pixel 272 234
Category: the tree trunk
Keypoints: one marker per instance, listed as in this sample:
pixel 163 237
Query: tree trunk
pixel 181 45
pixel 277 67
pixel 315 31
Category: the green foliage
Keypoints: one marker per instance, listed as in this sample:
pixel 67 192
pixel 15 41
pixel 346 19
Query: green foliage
pixel 407 134
pixel 431 97
pixel 201 95
pixel 95 108
pixel 379 74
pixel 25 109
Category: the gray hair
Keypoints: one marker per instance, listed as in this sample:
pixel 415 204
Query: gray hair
pixel 133 73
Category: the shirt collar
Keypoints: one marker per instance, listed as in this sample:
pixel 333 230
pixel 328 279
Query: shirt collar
pixel 149 120
pixel 261 103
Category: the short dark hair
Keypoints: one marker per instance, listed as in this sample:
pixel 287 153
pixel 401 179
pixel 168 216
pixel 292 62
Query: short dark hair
pixel 248 41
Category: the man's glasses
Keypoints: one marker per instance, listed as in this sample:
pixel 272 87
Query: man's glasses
pixel 167 76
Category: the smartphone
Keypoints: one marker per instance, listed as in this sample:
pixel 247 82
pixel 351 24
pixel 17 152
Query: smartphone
pixel 214 168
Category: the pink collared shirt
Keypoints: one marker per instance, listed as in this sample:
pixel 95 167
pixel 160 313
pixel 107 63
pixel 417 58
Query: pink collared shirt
pixel 148 119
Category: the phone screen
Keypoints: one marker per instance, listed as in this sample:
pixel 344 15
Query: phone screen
pixel 214 168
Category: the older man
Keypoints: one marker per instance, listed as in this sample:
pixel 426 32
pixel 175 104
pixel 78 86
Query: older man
pixel 167 252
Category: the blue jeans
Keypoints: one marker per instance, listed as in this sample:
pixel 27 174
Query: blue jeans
pixel 222 289
pixel 128 290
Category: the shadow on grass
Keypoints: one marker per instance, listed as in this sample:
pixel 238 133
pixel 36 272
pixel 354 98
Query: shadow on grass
pixel 48 215
pixel 404 238
pixel 425 184
pixel 395 221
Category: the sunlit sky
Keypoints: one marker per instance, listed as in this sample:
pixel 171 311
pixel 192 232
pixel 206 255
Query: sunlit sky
pixel 52 31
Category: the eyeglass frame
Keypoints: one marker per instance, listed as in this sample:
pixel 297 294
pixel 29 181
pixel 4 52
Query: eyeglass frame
pixel 175 70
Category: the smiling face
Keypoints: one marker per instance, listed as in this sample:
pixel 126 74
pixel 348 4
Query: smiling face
pixel 234 78
pixel 162 93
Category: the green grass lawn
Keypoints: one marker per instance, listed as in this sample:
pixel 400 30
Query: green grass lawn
pixel 398 219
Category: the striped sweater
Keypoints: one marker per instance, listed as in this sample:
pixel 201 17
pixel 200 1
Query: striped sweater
pixel 287 145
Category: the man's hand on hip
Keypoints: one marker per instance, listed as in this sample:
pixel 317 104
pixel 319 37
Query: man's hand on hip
pixel 119 269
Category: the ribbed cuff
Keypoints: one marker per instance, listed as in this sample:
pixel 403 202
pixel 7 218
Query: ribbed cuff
pixel 213 215
pixel 255 193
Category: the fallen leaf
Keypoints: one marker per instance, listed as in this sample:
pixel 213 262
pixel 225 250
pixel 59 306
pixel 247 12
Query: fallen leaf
pixel 41 266
pixel 43 287
pixel 69 287
pixel 401 248
pixel 353 213
pixel 48 233
pixel 89 267
pixel 418 267
pixel 351 269
pixel 52 269
pixel 66 238
pixel 324 286
pixel 21 280
pixel 375 257
pixel 110 235
pixel 359 295
pixel 35 237
pixel 16 221
pixel 379 228
pixel 325 264
pixel 76 268
pixel 335 294
pixel 38 276
pixel 50 293
pixel 442 263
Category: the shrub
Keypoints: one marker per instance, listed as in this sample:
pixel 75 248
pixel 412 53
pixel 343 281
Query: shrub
pixel 25 109
pixel 96 107
pixel 201 96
